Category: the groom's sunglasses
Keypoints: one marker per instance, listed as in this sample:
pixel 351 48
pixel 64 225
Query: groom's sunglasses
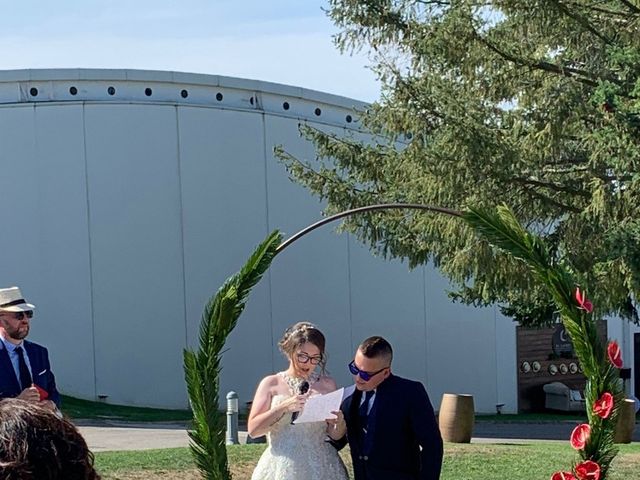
pixel 366 376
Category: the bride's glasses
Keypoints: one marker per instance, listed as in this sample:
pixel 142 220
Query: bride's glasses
pixel 304 358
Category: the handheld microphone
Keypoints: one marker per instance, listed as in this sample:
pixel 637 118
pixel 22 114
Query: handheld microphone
pixel 302 389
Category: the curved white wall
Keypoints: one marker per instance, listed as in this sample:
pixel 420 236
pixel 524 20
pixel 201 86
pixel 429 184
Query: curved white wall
pixel 126 208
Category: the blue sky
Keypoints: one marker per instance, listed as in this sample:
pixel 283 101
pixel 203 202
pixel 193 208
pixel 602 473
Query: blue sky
pixel 283 41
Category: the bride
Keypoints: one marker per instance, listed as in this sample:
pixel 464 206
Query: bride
pixel 297 450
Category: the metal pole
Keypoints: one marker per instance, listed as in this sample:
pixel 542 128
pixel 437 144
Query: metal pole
pixel 232 418
pixel 368 208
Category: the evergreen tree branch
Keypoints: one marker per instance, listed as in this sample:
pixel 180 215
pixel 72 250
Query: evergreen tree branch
pixel 552 186
pixel 550 201
pixel 289 160
pixel 633 8
pixel 580 20
pixel 583 76
pixel 605 11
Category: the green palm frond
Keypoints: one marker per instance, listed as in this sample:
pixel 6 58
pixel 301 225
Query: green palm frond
pixel 202 368
pixel 502 230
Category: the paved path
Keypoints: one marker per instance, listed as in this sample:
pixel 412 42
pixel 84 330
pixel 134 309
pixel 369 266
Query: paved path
pixel 110 435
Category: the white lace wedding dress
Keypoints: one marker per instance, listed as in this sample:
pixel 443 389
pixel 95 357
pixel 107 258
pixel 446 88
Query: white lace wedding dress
pixel 296 452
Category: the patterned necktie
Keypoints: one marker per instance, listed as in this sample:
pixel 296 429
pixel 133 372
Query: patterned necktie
pixel 25 375
pixel 363 411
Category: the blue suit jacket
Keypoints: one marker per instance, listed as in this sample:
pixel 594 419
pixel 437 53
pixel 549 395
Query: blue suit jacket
pixel 400 422
pixel 40 371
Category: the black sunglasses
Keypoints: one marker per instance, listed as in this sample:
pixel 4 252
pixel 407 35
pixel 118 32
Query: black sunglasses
pixel 21 315
pixel 366 376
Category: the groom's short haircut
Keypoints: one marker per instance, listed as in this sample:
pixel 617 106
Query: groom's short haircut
pixel 376 347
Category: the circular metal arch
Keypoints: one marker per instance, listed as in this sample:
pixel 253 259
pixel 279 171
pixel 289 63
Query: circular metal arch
pixel 368 208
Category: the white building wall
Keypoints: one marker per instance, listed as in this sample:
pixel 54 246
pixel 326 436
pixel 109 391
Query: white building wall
pixel 623 332
pixel 128 211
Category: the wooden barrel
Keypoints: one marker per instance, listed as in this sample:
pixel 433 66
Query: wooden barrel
pixel 626 421
pixel 456 418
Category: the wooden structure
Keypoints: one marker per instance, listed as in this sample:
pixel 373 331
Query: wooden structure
pixel 546 355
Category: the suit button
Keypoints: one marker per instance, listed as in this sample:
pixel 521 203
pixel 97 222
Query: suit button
pixel 359 457
pixel 365 458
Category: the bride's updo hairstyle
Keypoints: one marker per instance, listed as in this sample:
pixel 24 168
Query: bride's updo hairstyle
pixel 297 335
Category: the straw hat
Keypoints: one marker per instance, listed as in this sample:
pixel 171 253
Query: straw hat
pixel 11 300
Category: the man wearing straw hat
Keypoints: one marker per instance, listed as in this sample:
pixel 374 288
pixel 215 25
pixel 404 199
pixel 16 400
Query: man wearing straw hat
pixel 25 372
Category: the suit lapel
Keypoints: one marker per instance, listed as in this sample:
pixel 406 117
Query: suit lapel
pixel 353 420
pixel 353 407
pixel 7 366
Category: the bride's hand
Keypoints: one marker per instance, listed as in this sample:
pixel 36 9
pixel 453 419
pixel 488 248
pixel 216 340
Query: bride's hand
pixel 294 404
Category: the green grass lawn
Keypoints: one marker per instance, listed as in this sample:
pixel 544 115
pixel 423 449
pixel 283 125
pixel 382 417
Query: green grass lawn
pixel 462 461
pixel 76 408
pixel 532 417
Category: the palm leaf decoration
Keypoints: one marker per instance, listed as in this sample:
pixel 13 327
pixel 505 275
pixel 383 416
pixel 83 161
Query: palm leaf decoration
pixel 502 230
pixel 202 368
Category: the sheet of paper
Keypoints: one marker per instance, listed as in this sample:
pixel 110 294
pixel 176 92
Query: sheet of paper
pixel 319 407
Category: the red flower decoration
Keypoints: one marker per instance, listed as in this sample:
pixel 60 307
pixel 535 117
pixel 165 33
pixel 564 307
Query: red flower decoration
pixel 588 470
pixel 615 354
pixel 583 301
pixel 603 406
pixel 563 476
pixel 580 435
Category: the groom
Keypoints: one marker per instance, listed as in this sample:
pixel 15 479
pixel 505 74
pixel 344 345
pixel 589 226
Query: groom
pixel 391 427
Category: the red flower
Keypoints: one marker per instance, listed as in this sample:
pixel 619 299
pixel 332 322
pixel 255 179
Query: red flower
pixel 580 435
pixel 563 476
pixel 615 354
pixel 583 301
pixel 588 470
pixel 603 406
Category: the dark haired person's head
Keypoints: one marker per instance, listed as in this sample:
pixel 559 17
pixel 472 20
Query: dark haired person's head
pixel 35 444
pixel 372 363
pixel 303 344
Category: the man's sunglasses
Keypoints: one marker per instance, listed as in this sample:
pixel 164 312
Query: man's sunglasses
pixel 21 315
pixel 366 376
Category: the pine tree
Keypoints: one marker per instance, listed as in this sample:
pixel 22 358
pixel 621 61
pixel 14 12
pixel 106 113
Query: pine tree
pixel 530 103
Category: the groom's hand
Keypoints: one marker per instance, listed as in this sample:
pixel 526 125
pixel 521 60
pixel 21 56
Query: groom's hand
pixel 336 427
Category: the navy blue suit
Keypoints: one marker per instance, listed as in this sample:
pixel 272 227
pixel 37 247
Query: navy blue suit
pixel 401 421
pixel 40 372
